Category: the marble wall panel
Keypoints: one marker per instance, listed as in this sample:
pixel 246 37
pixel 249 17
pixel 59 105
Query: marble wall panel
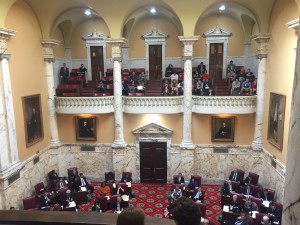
pixel 30 175
pixel 93 164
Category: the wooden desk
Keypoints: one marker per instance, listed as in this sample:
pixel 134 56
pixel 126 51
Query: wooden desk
pixel 229 216
pixel 225 200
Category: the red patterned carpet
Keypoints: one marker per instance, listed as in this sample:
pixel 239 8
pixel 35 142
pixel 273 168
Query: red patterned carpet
pixel 153 199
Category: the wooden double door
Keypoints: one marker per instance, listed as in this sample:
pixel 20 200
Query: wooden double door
pixel 97 62
pixel 153 162
pixel 216 61
pixel 155 62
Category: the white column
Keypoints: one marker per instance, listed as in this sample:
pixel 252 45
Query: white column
pixel 48 45
pixel 9 158
pixel 262 53
pixel 187 91
pixel 116 48
pixel 291 199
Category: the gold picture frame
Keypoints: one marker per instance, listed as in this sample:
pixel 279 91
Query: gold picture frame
pixel 276 119
pixel 222 129
pixel 85 128
pixel 33 120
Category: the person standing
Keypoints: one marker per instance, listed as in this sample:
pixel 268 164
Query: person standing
pixel 201 68
pixel 64 74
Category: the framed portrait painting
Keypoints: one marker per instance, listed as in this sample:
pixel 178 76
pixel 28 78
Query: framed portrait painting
pixel 222 129
pixel 33 119
pixel 85 128
pixel 276 119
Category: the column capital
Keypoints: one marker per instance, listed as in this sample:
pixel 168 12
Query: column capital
pixel 262 41
pixel 188 42
pixel 5 34
pixel 116 47
pixel 48 46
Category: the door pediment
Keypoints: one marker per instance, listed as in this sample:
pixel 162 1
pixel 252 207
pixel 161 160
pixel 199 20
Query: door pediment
pixel 153 128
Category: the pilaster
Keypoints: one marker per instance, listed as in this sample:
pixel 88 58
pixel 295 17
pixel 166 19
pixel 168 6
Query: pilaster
pixel 188 43
pixel 116 48
pixel 262 52
pixel 49 45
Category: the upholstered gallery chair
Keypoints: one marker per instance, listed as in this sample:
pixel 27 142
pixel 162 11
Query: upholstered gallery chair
pixel 30 203
pixel 258 218
pixel 110 177
pixel 197 178
pixel 254 177
pixel 202 207
pixel 258 202
pixel 39 188
pixel 242 172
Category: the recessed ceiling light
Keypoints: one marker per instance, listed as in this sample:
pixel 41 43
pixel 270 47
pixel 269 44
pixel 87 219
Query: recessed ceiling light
pixel 222 8
pixel 87 12
pixel 153 10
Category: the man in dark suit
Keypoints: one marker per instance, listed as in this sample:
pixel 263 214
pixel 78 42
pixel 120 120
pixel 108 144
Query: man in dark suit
pixel 235 204
pixel 228 187
pixel 201 68
pixel 247 190
pixel 235 175
pixel 274 213
pixel 243 219
pixel 179 179
pixel 64 74
pixel 265 196
pixel 199 195
pixel 82 182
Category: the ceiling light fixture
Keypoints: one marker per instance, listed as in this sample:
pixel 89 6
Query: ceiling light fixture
pixel 87 12
pixel 152 10
pixel 222 8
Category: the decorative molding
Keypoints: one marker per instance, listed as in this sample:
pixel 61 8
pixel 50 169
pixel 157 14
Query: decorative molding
pixel 188 42
pixel 262 41
pixel 94 36
pixel 224 104
pixel 217 32
pixel 153 128
pixel 116 47
pixel 70 105
pixel 48 46
pixel 5 34
pixel 155 34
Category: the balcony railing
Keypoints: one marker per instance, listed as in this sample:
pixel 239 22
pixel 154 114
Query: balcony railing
pixel 224 104
pixel 160 104
pixel 71 105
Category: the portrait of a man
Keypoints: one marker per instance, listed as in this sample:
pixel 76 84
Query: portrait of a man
pixel 222 128
pixel 86 128
pixel 32 119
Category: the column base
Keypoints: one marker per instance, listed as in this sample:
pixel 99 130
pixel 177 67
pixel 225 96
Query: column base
pixel 187 144
pixel 257 145
pixel 118 144
pixel 55 143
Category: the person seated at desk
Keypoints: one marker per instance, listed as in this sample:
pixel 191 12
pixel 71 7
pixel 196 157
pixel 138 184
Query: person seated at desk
pixel 193 184
pixel 228 187
pixel 90 194
pixel 119 190
pixel 66 198
pixel 250 206
pixel 82 183
pixel 176 193
pixel 60 184
pixel 248 180
pixel 235 206
pixel 97 206
pixel 44 201
pixel 104 190
pixel 82 70
pixel 243 219
pixel 265 196
pixel 126 179
pixel 199 195
pixel 247 190
pixel 235 175
pixel 169 70
pixel 179 179
pixel 274 213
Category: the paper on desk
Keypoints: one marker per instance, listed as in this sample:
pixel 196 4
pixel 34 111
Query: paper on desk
pixel 226 208
pixel 254 214
pixel 72 204
pixel 266 203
